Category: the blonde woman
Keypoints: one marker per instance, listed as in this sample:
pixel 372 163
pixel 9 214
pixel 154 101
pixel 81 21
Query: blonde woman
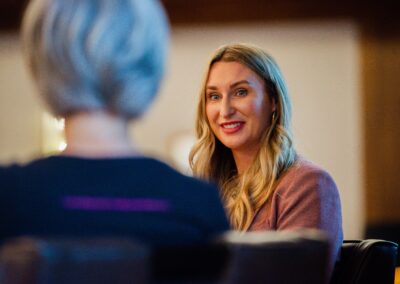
pixel 245 146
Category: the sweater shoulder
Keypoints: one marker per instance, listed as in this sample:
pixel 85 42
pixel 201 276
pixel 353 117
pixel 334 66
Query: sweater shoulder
pixel 305 177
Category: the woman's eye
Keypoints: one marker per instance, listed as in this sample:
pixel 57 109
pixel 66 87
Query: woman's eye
pixel 241 92
pixel 213 97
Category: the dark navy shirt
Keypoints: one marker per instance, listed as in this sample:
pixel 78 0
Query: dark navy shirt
pixel 127 197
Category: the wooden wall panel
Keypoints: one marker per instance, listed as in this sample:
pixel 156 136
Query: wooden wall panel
pixel 381 76
pixel 218 11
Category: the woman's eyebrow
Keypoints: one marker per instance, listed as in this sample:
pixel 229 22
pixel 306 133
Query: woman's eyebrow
pixel 231 86
pixel 239 83
pixel 211 87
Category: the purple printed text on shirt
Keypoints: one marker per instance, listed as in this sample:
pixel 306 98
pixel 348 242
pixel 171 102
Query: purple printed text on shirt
pixel 92 203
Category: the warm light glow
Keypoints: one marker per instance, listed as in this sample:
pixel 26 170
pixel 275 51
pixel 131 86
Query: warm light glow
pixel 59 124
pixel 179 147
pixel 62 146
pixel 53 135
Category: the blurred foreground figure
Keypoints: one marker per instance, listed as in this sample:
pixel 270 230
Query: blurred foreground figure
pixel 98 64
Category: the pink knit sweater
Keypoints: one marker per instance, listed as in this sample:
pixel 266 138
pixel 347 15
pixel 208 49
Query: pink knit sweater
pixel 305 197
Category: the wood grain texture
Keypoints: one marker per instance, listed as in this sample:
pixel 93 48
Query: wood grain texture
pixel 380 52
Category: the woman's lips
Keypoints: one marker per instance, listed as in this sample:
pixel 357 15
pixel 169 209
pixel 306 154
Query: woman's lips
pixel 231 127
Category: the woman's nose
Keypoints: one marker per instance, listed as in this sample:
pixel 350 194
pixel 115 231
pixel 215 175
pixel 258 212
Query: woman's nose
pixel 227 108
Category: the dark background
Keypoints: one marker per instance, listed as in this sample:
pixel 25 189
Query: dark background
pixel 218 11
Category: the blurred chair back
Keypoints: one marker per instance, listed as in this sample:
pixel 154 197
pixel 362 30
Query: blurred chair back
pixel 255 257
pixel 78 261
pixel 199 263
pixel 366 261
pixel 385 231
pixel 278 257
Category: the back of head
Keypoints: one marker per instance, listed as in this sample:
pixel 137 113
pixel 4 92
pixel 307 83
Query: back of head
pixel 96 54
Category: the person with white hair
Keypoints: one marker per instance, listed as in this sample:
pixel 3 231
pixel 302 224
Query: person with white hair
pixel 99 64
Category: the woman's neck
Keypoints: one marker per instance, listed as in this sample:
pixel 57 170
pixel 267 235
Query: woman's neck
pixel 243 160
pixel 97 134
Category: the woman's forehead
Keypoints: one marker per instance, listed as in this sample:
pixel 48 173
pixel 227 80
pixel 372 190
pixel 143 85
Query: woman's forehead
pixel 227 74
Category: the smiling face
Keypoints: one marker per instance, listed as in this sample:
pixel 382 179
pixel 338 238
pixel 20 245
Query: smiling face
pixel 238 107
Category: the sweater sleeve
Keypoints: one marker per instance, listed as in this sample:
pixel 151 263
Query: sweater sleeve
pixel 312 201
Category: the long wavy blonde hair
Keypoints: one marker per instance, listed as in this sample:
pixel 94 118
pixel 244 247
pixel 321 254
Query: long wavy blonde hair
pixel 211 160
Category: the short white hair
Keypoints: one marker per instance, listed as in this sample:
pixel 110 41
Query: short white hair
pixel 96 54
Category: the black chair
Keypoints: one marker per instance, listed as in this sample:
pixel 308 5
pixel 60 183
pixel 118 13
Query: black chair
pixel 278 257
pixel 255 257
pixel 389 231
pixel 78 261
pixel 199 263
pixel 366 261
